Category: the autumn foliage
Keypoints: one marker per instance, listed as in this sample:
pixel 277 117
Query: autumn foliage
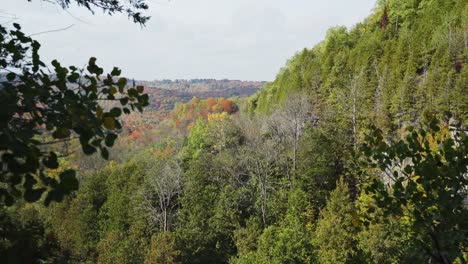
pixel 184 115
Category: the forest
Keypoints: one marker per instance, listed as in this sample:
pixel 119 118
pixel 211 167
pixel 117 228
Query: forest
pixel 356 153
pixel 165 95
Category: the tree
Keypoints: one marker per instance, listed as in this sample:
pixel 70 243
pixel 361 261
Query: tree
pixel 425 179
pixel 263 162
pixel 24 237
pixel 75 220
pixel 322 159
pixel 162 249
pixel 288 123
pixel 335 234
pixel 163 186
pixel 387 239
pixel 132 8
pixel 39 110
pixel 290 240
pixel 195 234
pixel 124 231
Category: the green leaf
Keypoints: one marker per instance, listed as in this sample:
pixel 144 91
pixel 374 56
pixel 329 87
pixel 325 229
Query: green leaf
pixel 105 153
pixel 110 139
pixel 51 161
pixel 33 195
pixel 124 101
pixel 112 90
pixel 68 181
pixel 115 112
pixel 9 200
pixel 54 195
pixel 11 76
pixel 121 84
pixel 132 92
pixel 408 169
pixel 61 132
pixel 116 71
pixel 88 149
pixel 92 61
pixel 73 77
pixel 29 182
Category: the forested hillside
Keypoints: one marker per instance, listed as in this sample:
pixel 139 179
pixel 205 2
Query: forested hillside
pixel 356 153
pixel 164 95
pixel 404 61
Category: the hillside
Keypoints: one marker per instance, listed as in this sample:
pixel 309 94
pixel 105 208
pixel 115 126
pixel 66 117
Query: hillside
pixel 356 153
pixel 164 95
pixel 406 60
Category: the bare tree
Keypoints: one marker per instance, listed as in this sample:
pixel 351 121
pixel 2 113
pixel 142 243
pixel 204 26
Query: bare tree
pixel 263 161
pixel 163 187
pixel 287 124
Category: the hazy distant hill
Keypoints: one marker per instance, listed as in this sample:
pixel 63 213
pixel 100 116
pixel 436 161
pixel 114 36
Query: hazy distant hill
pixel 164 94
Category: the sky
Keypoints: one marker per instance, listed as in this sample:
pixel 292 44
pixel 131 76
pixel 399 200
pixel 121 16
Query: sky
pixel 186 39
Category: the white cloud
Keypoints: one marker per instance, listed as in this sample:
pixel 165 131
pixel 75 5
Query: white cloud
pixel 237 39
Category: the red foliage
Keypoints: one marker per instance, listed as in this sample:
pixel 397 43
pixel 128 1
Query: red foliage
pixel 135 135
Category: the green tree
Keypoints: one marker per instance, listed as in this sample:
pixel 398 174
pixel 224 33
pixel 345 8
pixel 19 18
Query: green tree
pixel 290 240
pixel 162 250
pixel 335 233
pixel 424 178
pixel 75 221
pixel 24 237
pixel 387 239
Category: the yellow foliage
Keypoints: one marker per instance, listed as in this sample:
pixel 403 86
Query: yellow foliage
pixel 217 117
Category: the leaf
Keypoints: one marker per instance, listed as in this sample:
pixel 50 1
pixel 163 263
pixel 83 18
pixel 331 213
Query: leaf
pixel 9 200
pixel 68 181
pixel 132 92
pixel 105 153
pixel 61 132
pixel 29 182
pixel 92 61
pixel 11 76
pixel 15 179
pixel 88 149
pixel 408 169
pixel 54 195
pixel 99 112
pixel 33 195
pixel 110 139
pixel 140 89
pixel 121 84
pixel 116 71
pixel 51 161
pixel 115 112
pixel 112 90
pixel 73 77
pixel 124 101
pixel 109 123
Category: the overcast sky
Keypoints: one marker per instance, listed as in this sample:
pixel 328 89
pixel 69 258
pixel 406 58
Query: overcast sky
pixel 234 39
